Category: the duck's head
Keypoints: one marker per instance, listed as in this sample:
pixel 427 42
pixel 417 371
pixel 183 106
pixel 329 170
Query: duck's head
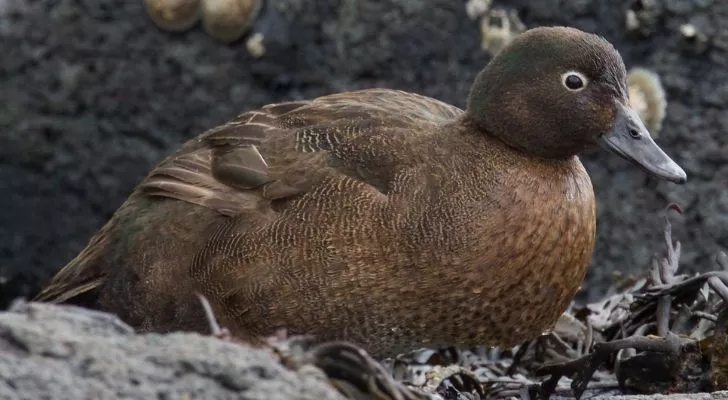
pixel 555 91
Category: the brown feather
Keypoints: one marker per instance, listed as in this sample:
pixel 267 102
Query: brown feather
pixel 241 167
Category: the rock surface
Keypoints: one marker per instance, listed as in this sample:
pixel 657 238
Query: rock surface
pixel 70 353
pixel 93 95
pixel 65 352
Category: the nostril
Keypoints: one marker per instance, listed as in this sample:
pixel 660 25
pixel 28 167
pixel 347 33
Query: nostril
pixel 634 133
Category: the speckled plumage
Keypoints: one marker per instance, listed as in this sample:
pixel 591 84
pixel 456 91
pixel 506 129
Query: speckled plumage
pixel 378 216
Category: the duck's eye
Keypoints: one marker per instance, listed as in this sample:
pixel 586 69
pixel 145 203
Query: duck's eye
pixel 635 134
pixel 573 80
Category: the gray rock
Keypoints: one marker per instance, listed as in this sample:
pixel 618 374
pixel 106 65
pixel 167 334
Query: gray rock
pixel 64 352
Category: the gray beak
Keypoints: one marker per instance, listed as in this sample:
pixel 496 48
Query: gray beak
pixel 629 138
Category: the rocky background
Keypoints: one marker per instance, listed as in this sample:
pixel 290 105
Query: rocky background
pixel 63 352
pixel 92 95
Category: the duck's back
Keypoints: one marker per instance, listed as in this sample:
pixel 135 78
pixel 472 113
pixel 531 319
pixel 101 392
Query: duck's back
pixel 249 169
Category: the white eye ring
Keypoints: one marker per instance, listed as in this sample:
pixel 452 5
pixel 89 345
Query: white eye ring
pixel 574 81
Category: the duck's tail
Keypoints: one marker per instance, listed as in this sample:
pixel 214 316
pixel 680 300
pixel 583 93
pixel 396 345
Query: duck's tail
pixel 76 281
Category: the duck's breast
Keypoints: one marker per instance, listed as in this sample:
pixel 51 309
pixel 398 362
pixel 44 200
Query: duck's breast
pixel 512 251
pixel 536 251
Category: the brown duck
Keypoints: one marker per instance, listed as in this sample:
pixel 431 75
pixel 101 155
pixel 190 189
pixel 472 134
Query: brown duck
pixel 382 217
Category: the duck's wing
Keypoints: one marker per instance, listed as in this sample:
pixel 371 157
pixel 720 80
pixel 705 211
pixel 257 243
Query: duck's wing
pixel 273 152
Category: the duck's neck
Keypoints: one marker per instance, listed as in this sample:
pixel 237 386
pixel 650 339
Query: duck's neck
pixel 481 168
pixel 534 140
pixel 493 152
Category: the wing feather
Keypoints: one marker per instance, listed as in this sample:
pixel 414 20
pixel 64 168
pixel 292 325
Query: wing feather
pixel 271 153
pixel 228 168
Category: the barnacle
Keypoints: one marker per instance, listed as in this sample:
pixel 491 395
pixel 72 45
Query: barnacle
pixel 476 8
pixel 227 20
pixel 173 15
pixel 641 16
pixel 695 40
pixel 647 96
pixel 497 28
pixel 255 45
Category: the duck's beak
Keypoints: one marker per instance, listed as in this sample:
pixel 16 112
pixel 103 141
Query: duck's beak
pixel 629 138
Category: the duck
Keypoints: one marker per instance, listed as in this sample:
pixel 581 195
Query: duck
pixel 381 217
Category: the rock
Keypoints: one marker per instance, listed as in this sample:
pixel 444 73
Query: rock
pixel 65 352
pixel 93 94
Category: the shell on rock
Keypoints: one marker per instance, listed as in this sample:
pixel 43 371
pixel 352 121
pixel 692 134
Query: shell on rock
pixel 476 8
pixel 498 27
pixel 694 40
pixel 173 15
pixel 642 17
pixel 227 20
pixel 647 96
